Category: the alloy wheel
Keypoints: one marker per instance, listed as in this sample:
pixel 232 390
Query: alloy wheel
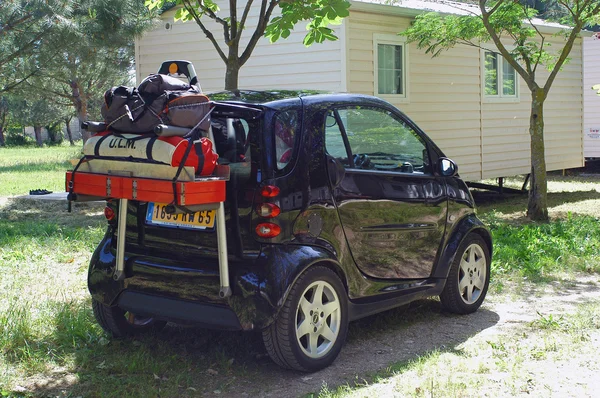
pixel 472 274
pixel 318 319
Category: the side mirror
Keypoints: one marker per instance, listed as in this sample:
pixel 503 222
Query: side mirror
pixel 447 167
pixel 336 171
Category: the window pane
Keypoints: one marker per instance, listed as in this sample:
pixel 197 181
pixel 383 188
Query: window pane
pixel 491 73
pixel 286 125
pixel 334 142
pixel 390 69
pixel 509 79
pixel 387 143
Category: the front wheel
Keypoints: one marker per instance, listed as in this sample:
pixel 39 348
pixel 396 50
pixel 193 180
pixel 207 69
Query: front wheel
pixel 120 323
pixel 311 327
pixel 469 277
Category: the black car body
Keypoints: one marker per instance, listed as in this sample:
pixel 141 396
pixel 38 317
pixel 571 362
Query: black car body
pixel 358 195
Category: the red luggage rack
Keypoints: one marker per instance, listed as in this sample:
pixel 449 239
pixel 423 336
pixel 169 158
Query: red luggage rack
pixel 207 192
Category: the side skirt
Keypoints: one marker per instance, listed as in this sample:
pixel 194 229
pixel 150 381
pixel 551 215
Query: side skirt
pixel 359 309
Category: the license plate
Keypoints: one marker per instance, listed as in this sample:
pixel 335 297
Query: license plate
pixel 157 215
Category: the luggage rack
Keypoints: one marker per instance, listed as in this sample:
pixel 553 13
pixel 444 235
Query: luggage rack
pixel 206 193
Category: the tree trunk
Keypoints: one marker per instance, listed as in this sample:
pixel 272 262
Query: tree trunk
pixel 232 68
pixel 2 140
pixel 537 207
pixel 69 133
pixel 37 129
pixel 80 104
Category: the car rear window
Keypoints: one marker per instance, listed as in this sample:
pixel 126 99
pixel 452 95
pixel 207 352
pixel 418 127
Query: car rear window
pixel 286 127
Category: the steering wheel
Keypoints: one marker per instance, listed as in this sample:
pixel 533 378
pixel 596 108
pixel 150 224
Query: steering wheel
pixel 362 161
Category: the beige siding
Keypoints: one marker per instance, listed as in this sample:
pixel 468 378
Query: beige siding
pixel 487 139
pixel 591 101
pixel 444 98
pixel 288 64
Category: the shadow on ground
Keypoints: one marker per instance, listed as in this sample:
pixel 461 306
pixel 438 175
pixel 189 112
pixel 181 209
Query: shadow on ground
pixel 184 361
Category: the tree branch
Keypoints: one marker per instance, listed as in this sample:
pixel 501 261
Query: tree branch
pixel 500 46
pixel 207 32
pixel 569 45
pixel 244 16
pixel 217 19
pixel 265 16
pixel 233 18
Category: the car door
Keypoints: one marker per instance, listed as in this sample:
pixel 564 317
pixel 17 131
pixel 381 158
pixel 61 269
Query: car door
pixel 392 207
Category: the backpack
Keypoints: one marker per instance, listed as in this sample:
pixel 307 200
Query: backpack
pixel 159 99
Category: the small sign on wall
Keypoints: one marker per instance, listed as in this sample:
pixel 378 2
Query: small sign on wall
pixel 593 133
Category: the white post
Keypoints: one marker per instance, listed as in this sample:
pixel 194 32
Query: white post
pixel 222 247
pixel 121 232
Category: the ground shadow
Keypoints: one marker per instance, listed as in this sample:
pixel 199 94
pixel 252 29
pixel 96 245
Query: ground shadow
pixel 187 361
pixel 509 202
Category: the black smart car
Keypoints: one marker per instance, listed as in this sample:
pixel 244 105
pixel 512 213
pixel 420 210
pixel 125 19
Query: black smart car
pixel 338 207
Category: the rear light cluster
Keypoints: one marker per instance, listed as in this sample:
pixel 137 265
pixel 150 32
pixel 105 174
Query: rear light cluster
pixel 109 213
pixel 268 210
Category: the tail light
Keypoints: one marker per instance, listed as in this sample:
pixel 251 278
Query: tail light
pixel 269 191
pixel 268 210
pixel 109 213
pixel 268 230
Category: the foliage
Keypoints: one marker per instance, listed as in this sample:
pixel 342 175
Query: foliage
pixel 490 26
pixel 95 52
pixel 24 27
pixel 319 14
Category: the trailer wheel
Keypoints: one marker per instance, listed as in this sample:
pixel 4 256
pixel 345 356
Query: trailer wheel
pixel 311 327
pixel 120 323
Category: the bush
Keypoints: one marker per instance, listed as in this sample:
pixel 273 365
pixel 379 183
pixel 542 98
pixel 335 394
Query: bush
pixel 14 137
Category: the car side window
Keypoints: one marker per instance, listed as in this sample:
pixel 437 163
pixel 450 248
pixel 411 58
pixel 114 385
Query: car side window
pixel 373 139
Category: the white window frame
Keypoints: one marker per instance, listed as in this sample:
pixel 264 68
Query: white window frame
pixel 396 41
pixel 500 97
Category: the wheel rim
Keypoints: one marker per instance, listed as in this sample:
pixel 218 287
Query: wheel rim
pixel 318 319
pixel 136 320
pixel 472 274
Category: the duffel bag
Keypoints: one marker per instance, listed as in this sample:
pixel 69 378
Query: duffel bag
pixel 151 148
pixel 159 99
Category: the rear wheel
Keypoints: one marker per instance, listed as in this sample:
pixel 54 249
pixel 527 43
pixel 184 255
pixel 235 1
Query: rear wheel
pixel 121 323
pixel 312 325
pixel 469 277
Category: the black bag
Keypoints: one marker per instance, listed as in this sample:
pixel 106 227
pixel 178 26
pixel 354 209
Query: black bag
pixel 159 99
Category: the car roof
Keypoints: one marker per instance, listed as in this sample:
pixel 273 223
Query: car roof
pixel 272 98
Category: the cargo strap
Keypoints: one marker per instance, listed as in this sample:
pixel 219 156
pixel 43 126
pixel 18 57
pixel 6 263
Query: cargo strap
pixel 193 138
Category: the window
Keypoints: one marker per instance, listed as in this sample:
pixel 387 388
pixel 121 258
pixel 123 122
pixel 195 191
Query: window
pixel 373 139
pixel 285 128
pixel 390 66
pixel 500 79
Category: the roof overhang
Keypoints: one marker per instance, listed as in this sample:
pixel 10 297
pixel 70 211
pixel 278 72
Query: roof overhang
pixel 412 8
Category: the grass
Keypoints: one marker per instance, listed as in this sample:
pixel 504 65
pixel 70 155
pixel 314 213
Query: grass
pixel 50 344
pixel 24 169
pixel 510 364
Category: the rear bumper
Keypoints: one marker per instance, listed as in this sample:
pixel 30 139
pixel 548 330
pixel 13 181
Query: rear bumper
pixel 168 309
pixel 188 291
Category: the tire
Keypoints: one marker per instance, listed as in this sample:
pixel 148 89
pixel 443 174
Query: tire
pixel 311 327
pixel 120 323
pixel 469 277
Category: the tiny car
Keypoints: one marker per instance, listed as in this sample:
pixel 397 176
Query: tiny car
pixel 338 207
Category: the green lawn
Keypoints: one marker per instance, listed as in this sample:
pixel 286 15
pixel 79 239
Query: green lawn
pixel 49 341
pixel 24 169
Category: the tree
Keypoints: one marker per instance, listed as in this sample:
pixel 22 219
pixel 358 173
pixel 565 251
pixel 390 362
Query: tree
pixel 509 20
pixel 319 13
pixel 94 51
pixel 24 26
pixel 35 112
pixel 4 119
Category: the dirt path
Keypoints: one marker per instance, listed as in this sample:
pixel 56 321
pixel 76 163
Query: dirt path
pixel 499 318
